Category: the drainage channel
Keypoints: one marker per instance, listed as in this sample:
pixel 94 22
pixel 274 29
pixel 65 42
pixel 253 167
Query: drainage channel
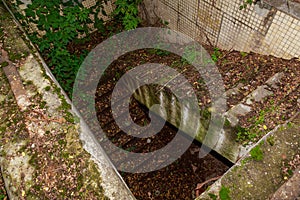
pixel 178 180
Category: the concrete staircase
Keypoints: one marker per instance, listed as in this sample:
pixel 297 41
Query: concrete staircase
pixel 252 177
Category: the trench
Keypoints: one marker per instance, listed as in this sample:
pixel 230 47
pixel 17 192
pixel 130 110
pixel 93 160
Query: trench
pixel 179 179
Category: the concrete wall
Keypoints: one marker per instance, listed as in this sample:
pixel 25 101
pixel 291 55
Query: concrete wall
pixel 260 28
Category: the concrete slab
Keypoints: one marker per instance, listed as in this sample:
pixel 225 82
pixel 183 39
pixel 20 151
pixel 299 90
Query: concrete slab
pixel 258 175
pixel 236 111
pixel 289 190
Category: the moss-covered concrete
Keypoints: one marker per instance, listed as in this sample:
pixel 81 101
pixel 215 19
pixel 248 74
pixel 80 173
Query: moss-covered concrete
pixel 258 178
pixel 42 153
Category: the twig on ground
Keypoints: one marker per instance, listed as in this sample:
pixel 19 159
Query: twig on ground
pixel 200 185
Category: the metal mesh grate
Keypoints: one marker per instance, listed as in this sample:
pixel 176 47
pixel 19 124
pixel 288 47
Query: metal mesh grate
pixel 259 28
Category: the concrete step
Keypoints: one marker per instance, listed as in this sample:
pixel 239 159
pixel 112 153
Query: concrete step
pixel 265 171
pixel 291 188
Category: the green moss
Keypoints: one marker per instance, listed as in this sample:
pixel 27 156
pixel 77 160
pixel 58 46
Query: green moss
pixel 244 161
pixel 2 129
pixel 47 88
pixel 69 117
pixel 57 90
pixel 227 123
pixel 28 83
pixel 245 135
pixel 1 32
pixel 43 104
pixel 271 140
pixel 256 153
pixel 224 193
pixel 4 15
pixel 14 56
pixel 65 105
pixel 206 114
pixel 65 155
pixel 62 142
pixel 289 124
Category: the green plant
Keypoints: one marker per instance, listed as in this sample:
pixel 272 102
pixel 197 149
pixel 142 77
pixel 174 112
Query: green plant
pixel 261 118
pixel 127 12
pixel 246 3
pixel 216 55
pixel 47 88
pixel 289 124
pixel 224 193
pixel 58 23
pixel 256 153
pixel 4 64
pixel 117 76
pixel 2 196
pixel 227 123
pixel 243 54
pixel 244 134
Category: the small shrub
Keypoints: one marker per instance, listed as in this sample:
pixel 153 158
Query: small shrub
pixel 216 55
pixel 127 12
pixel 60 22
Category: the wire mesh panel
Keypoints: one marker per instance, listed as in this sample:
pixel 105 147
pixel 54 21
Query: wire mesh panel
pixel 209 20
pixel 283 37
pixel 260 28
pixel 186 26
pixel 188 9
pixel 171 4
pixel 168 14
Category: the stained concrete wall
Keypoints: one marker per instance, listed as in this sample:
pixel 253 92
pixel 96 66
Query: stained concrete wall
pixel 261 28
